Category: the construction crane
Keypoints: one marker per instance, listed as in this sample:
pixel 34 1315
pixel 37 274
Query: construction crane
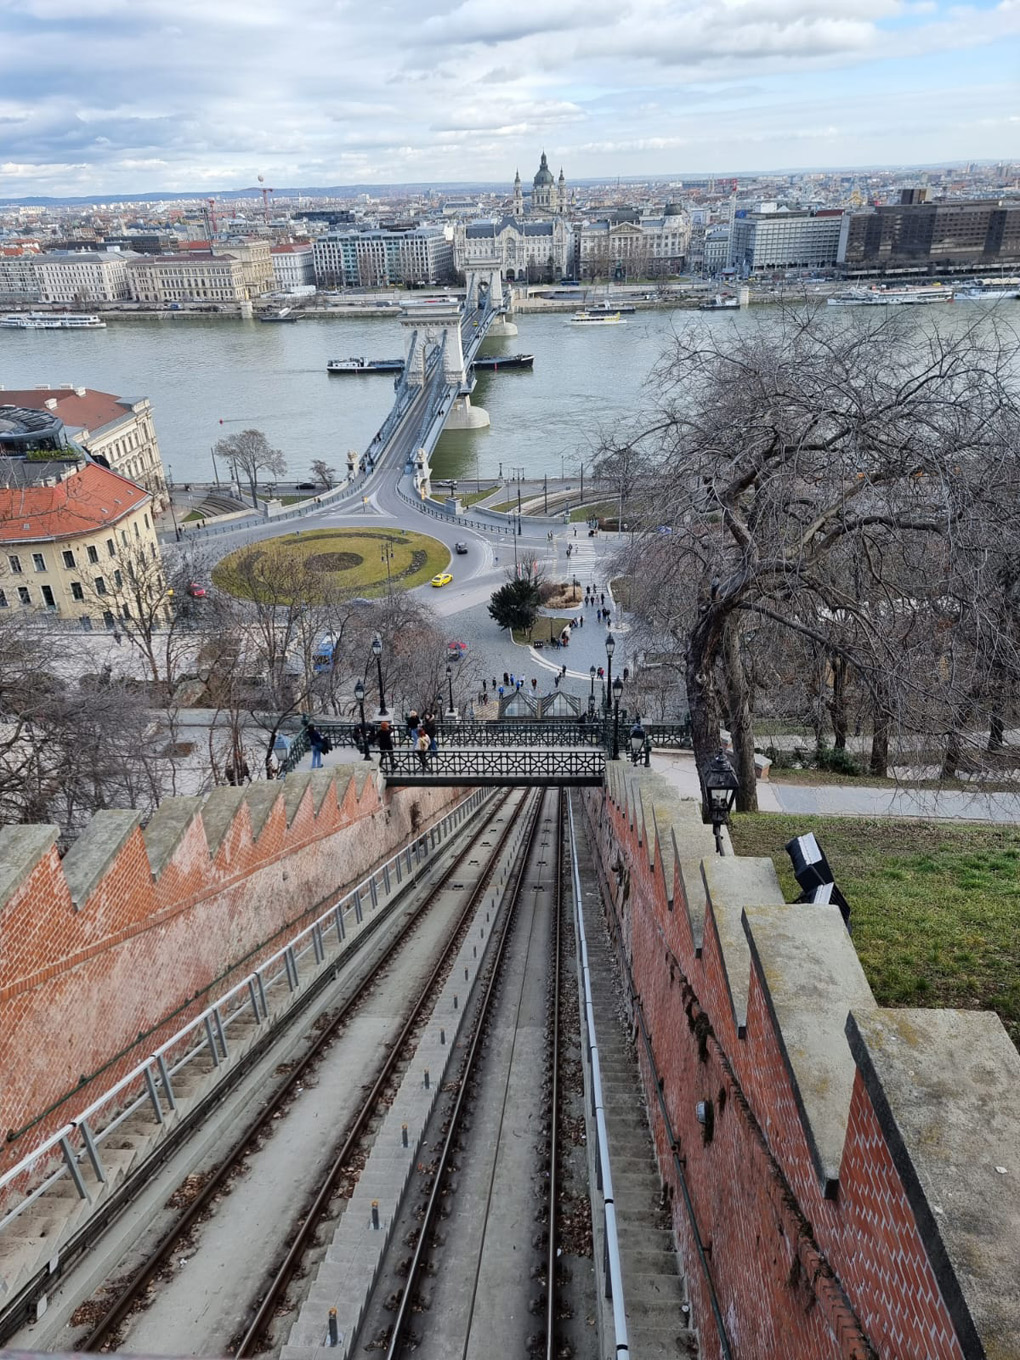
pixel 210 217
pixel 265 199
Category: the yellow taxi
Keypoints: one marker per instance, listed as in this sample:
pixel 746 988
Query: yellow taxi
pixel 443 579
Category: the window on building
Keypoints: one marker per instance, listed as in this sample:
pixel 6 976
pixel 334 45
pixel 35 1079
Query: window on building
pixel 15 565
pixel 48 599
pixel 76 591
pixel 68 559
pixel 23 595
pixel 3 599
pixel 146 518
pixel 38 561
pixel 108 620
pixel 100 585
pixel 125 611
pixel 123 538
pixel 118 580
pixel 111 547
pixel 93 554
pixel 86 624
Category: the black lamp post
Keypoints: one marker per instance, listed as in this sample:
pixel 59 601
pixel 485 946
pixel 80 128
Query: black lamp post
pixel 617 692
pixel 377 653
pixel 359 694
pixel 610 649
pixel 591 694
pixel 637 741
pixel 449 686
pixel 721 785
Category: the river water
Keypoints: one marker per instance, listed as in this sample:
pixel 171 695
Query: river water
pixel 199 373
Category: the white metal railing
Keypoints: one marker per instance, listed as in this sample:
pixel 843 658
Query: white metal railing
pixel 150 1085
pixel 614 1266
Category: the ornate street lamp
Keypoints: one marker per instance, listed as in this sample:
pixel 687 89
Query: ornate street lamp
pixel 359 694
pixel 610 649
pixel 593 671
pixel 721 785
pixel 449 686
pixel 377 653
pixel 637 742
pixel 617 692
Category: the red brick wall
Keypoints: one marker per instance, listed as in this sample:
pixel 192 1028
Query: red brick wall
pixel 89 993
pixel 795 1275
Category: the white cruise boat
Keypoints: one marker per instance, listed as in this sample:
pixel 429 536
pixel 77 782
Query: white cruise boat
pixel 51 321
pixel 588 317
pixel 913 294
pixel 989 292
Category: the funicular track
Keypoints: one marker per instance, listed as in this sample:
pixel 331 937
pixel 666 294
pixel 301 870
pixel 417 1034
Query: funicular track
pixel 116 1303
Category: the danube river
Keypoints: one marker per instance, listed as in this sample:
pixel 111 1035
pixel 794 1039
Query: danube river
pixel 199 373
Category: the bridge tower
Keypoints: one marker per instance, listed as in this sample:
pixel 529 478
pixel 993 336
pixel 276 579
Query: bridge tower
pixel 437 327
pixel 485 283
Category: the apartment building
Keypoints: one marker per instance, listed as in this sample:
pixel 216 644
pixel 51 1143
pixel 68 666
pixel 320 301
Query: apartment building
pixel 115 431
pixel 73 534
pixel 381 255
pixel 293 267
pixel 648 247
pixel 79 276
pixel 942 236
pixel 193 276
pixel 783 239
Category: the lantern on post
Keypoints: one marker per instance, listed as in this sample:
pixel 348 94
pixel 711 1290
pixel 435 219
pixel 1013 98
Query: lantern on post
pixel 721 785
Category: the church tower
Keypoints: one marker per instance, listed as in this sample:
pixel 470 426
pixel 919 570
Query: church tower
pixel 543 188
pixel 518 196
pixel 562 193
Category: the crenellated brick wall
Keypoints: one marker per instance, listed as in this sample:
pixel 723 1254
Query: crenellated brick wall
pixel 855 1186
pixel 109 951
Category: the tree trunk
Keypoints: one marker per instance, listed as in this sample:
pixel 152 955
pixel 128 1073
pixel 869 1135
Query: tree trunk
pixel 951 758
pixel 254 490
pixel 882 723
pixel 837 704
pixel 741 722
pixel 996 732
pixel 702 699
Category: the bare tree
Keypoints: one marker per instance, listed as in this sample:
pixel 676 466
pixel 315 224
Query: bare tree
pixel 834 476
pixel 249 453
pixel 322 472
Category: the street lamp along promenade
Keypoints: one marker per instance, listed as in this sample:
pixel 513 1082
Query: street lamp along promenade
pixel 610 649
pixel 591 696
pixel 449 685
pixel 617 694
pixel 359 694
pixel 377 653
pixel 721 785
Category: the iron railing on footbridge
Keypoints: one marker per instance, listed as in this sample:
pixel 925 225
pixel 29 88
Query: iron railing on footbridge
pixel 592 733
pixel 481 767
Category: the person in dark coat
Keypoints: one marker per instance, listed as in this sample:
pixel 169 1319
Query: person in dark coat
pixel 430 726
pixel 412 721
pixel 317 742
pixel 385 739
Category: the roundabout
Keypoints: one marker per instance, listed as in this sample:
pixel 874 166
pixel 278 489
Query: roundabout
pixel 367 562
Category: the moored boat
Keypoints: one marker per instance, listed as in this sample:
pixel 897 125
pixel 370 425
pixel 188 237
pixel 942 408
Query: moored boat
pixel 722 302
pixel 51 321
pixel 496 361
pixel 908 295
pixel 592 317
pixel 361 365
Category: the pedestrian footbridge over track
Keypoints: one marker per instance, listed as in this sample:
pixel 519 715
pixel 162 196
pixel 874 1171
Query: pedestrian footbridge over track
pixel 488 767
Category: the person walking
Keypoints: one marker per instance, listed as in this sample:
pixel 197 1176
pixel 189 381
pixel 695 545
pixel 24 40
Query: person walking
pixel 534 684
pixel 317 742
pixel 421 746
pixel 430 727
pixel 412 721
pixel 385 740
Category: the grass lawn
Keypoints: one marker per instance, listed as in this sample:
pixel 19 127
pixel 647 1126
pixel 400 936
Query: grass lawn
pixel 293 500
pixel 602 510
pixel 547 626
pixel 350 558
pixel 988 784
pixel 192 517
pixel 467 497
pixel 935 905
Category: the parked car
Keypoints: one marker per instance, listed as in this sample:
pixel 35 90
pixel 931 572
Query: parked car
pixel 460 548
pixel 306 486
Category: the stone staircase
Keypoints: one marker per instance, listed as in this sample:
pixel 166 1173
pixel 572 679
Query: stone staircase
pixel 654 1292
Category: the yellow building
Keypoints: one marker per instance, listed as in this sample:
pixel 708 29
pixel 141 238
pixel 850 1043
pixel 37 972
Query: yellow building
pixel 75 538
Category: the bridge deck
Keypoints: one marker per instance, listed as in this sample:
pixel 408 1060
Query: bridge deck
pixel 565 767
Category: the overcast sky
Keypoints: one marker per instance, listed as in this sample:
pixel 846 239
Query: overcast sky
pixel 100 96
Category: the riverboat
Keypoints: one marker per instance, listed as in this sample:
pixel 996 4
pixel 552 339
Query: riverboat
pixel 362 365
pixel 720 303
pixel 989 292
pixel 601 308
pixel 51 321
pixel 593 317
pixel 492 362
pixel 283 316
pixel 910 295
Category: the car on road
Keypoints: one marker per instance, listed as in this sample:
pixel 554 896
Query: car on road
pixel 443 579
pixel 305 486
pixel 196 591
pixel 460 548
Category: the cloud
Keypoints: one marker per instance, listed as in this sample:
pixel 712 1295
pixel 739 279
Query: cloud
pixel 142 94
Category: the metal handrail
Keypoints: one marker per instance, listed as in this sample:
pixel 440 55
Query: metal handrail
pixel 207 1032
pixel 622 1344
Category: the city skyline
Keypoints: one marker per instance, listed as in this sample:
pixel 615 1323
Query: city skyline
pixel 109 100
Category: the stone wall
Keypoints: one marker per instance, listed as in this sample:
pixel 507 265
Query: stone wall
pixel 849 1185
pixel 108 952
